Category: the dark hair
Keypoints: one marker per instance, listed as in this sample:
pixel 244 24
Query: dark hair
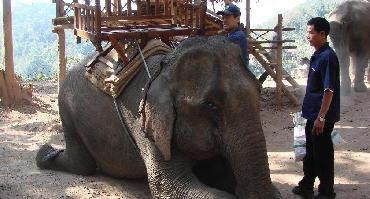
pixel 320 24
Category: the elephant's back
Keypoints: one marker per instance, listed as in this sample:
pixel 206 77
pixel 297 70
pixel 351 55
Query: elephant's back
pixel 91 114
pixel 351 11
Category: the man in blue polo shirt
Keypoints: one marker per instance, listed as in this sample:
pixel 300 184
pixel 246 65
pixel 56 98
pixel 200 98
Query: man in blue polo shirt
pixel 321 108
pixel 231 25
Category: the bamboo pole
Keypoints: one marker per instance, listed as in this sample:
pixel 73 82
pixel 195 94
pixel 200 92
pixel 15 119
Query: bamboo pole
pixel 62 54
pixel 247 17
pixel 279 67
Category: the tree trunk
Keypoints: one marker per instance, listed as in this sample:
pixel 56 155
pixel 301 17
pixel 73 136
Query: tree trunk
pixel 11 91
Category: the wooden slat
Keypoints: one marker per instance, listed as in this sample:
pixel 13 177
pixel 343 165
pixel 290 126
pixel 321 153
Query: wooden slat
pixel 156 8
pixel 97 20
pixel 179 15
pixel 272 41
pixel 63 21
pixel 197 19
pixel 191 22
pixel 147 7
pixel 149 34
pixel 129 9
pixel 108 7
pixel 186 15
pixel 79 19
pixel 138 3
pixel 271 72
pixel 116 18
pixel 59 8
pixel 83 19
pixel 76 25
pixel 269 58
pixel 166 7
pixel 279 58
pixel 118 48
pixel 202 17
pixel 269 29
pixel 83 6
pixel 87 18
pixel 284 47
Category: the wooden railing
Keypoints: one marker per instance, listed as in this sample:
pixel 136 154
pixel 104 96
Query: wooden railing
pixel 190 15
pixel 90 19
pixel 87 20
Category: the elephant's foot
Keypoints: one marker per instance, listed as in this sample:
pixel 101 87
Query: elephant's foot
pixel 46 155
pixel 360 87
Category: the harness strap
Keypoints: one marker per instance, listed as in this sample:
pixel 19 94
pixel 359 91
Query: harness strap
pixel 142 57
pixel 119 112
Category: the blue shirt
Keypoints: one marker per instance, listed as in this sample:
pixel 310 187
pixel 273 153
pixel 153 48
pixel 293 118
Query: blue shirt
pixel 238 37
pixel 323 75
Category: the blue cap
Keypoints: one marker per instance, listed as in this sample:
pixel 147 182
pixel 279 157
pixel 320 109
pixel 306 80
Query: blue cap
pixel 230 10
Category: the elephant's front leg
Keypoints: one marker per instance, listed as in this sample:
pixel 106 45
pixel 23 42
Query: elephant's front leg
pixel 175 179
pixel 359 62
pixel 344 62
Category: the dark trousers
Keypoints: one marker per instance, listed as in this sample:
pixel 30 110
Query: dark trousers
pixel 319 159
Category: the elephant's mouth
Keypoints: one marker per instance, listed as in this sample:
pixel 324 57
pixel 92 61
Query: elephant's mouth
pixel 216 172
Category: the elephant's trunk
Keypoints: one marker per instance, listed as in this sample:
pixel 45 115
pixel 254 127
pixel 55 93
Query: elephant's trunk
pixel 245 149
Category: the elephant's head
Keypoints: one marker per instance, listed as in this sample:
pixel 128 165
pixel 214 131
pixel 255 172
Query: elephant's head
pixel 205 103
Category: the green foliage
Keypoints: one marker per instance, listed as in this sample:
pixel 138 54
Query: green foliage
pixel 297 18
pixel 35 45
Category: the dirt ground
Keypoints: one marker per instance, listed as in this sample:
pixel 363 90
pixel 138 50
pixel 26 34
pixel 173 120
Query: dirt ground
pixel 24 129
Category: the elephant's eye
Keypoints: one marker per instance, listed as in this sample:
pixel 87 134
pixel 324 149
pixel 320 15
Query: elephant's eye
pixel 211 106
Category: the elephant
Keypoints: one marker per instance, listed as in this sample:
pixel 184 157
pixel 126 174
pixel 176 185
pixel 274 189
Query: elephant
pixel 350 34
pixel 193 129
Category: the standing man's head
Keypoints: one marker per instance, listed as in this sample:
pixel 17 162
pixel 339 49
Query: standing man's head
pixel 230 17
pixel 318 29
pixel 228 2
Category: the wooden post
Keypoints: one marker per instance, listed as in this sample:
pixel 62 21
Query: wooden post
pixel 108 7
pixel 11 91
pixel 119 7
pixel 279 57
pixel 97 23
pixel 59 6
pixel 129 8
pixel 247 17
pixel 203 13
pixel 62 54
pixel 248 21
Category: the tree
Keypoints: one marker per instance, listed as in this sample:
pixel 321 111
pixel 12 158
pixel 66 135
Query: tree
pixel 10 90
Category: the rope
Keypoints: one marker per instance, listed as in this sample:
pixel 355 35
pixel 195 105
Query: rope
pixel 119 112
pixel 142 57
pixel 124 125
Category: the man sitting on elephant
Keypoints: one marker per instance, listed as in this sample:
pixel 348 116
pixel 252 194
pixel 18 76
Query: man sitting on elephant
pixel 231 25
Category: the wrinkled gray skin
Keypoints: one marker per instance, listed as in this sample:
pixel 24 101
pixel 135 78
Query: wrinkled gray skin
pixel 350 33
pixel 201 137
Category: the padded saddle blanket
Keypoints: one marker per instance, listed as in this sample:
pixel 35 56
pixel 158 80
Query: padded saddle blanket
pixel 103 73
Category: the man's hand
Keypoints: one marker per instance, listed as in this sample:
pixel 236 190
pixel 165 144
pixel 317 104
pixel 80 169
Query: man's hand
pixel 318 127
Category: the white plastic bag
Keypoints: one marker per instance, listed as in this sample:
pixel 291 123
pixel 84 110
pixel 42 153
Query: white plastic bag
pixel 337 139
pixel 299 142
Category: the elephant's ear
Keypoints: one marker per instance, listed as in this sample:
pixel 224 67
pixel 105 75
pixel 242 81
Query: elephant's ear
pixel 158 116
